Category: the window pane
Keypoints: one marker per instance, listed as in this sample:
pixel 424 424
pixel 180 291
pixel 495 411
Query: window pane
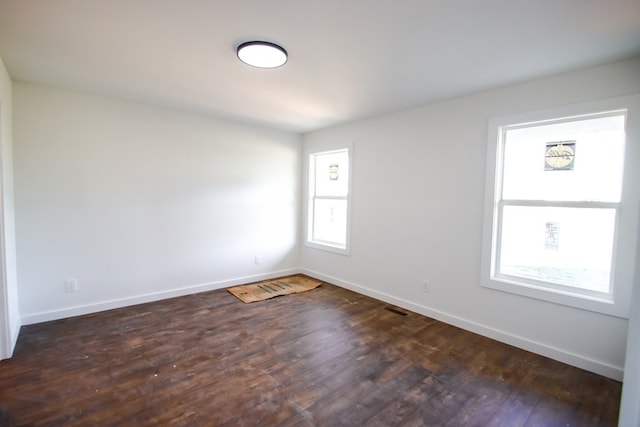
pixel 579 160
pixel 566 246
pixel 330 221
pixel 332 174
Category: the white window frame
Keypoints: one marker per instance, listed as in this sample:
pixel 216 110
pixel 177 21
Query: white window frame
pixel 311 197
pixel 617 303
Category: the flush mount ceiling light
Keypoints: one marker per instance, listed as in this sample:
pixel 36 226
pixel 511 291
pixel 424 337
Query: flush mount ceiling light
pixel 262 54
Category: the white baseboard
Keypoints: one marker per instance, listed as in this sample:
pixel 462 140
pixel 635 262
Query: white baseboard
pixel 15 332
pixel 8 346
pixel 63 313
pixel 601 368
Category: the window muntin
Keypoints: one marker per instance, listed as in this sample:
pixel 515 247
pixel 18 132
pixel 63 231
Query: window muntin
pixel 328 205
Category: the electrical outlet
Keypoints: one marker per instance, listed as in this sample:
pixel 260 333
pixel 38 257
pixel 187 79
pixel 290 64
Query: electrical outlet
pixel 258 260
pixel 71 285
pixel 426 286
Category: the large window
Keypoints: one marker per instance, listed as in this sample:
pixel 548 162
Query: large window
pixel 556 228
pixel 328 209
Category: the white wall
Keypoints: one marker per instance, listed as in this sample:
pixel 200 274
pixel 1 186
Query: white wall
pixel 139 203
pixel 418 193
pixel 9 315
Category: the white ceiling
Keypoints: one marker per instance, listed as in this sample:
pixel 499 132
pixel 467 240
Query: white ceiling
pixel 348 59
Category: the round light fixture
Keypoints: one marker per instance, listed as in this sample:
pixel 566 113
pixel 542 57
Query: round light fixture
pixel 262 54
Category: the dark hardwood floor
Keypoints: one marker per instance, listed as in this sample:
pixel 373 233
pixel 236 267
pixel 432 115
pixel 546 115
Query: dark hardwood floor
pixel 327 357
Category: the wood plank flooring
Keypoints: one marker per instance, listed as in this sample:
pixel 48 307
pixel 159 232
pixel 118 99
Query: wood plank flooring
pixel 327 357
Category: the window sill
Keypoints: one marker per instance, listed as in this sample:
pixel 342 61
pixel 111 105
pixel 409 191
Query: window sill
pixel 604 303
pixel 328 248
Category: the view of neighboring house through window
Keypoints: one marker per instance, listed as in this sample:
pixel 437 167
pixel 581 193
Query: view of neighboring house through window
pixel 555 215
pixel 329 200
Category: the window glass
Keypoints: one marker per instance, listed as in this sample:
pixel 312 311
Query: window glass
pixel 331 175
pixel 564 246
pixel 579 160
pixel 330 221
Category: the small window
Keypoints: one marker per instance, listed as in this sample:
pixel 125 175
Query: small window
pixel 554 226
pixel 328 204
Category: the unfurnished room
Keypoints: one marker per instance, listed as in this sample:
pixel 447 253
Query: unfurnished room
pixel 336 213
